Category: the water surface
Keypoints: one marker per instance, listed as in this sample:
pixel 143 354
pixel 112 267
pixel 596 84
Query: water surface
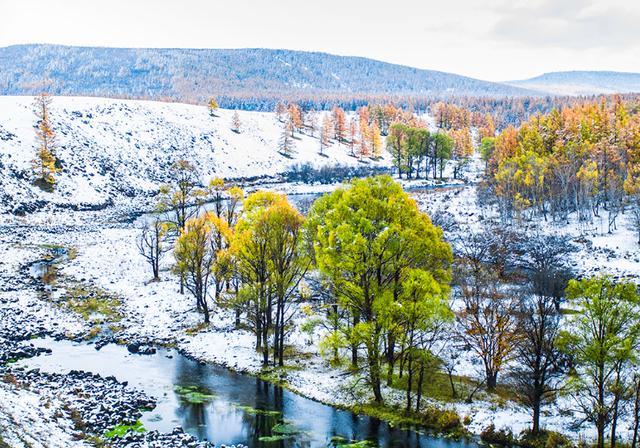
pixel 229 416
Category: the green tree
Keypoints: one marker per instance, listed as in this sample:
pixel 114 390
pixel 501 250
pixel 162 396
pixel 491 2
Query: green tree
pixel 421 311
pixel 196 254
pixel 602 339
pixel 487 146
pixel 396 145
pixel 267 248
pixel 443 150
pixel 367 238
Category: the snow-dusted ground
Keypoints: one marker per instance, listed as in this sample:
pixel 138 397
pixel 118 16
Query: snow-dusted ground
pixel 29 420
pixel 115 148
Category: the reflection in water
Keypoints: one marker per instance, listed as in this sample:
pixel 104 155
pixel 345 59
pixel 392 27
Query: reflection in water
pixel 237 409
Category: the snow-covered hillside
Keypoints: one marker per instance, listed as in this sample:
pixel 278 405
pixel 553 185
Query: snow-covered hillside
pixel 113 149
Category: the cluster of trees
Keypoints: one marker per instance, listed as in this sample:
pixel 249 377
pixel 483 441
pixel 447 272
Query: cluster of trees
pixel 249 249
pixel 414 148
pixel 385 272
pixel 517 331
pixel 582 159
pixel 386 264
pixel 362 132
pixel 45 164
pixel 388 269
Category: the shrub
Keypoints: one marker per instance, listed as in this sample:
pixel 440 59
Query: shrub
pixel 502 437
pixel 445 421
pixel 545 439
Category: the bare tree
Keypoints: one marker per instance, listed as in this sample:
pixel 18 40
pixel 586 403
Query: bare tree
pixel 540 362
pixel 150 244
pixel 488 319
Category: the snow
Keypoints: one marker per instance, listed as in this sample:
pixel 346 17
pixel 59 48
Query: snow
pixel 110 146
pixel 113 148
pixel 28 420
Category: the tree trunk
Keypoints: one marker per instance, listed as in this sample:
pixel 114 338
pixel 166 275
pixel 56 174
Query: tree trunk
pixel 420 382
pixel 354 347
pixel 409 384
pixel 492 380
pixel 391 344
pixel 536 417
pixel 374 372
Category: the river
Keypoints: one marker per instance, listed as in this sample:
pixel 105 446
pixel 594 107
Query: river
pixel 236 408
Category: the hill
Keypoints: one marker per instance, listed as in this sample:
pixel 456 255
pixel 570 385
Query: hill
pixel 582 82
pixel 116 150
pixel 247 78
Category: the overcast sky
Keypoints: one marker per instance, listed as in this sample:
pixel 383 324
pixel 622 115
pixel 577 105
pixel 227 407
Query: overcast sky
pixel 488 39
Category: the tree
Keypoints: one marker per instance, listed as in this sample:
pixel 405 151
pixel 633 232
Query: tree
pixel 295 117
pixel 325 133
pixel 267 248
pixel 396 146
pixel 45 164
pixel 376 141
pixel 421 310
pixel 286 145
pixel 488 319
pixel 339 124
pixel 602 339
pixel 213 106
pixel 196 254
pixel 443 150
pixel 181 198
pixel 539 362
pixel 235 122
pixel 487 146
pixel 150 244
pixel 367 238
pixel 287 266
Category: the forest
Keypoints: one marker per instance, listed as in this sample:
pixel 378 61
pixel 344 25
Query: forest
pixel 396 296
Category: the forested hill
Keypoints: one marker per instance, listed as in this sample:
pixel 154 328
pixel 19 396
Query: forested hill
pixel 583 82
pixel 245 78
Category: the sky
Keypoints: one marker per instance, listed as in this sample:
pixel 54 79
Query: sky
pixel 494 40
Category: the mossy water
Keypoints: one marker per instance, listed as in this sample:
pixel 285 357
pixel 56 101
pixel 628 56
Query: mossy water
pixel 225 407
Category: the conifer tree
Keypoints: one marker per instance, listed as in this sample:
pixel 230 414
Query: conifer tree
pixel 45 163
pixel 286 145
pixel 235 122
pixel 339 124
pixel 376 140
pixel 213 106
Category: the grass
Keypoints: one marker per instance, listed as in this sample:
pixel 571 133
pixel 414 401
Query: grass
pixel 121 430
pixel 436 385
pixel 277 375
pixel 194 394
pixel 285 428
pixel 254 411
pixel 93 333
pixel 354 444
pixel 89 301
pixel 192 331
pixel 277 438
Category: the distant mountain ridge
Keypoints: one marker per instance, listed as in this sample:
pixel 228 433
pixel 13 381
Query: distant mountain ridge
pixel 195 74
pixel 582 82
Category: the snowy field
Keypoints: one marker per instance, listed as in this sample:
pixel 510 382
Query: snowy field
pixel 114 151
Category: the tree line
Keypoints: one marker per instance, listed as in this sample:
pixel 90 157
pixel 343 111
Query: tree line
pixel 396 304
pixel 582 160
